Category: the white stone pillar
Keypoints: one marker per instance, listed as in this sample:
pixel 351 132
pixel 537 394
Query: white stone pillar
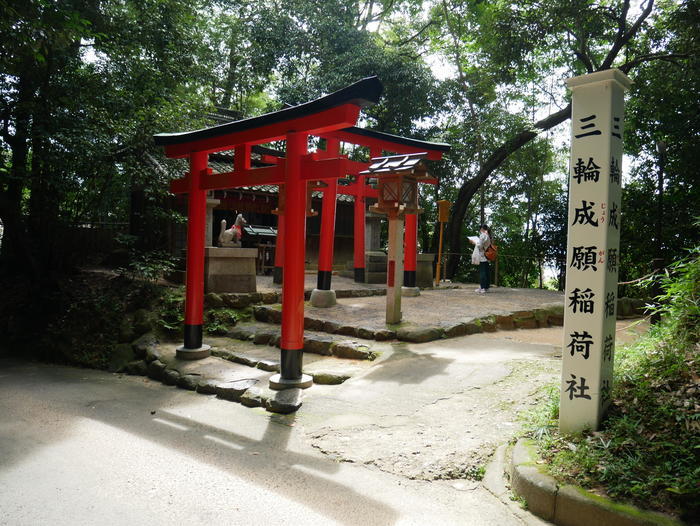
pixel 597 118
pixel 394 269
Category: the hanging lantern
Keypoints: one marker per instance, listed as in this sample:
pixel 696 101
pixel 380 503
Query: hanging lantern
pixel 397 180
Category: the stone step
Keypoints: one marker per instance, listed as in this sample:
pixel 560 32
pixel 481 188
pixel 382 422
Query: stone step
pixel 315 342
pixel 549 315
pixel 236 371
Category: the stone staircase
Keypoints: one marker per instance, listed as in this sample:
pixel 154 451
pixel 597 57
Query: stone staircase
pixel 242 362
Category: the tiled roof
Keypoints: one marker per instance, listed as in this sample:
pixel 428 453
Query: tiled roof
pixel 397 163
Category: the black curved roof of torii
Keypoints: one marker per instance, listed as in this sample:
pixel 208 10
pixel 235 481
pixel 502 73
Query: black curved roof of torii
pixel 363 93
pixel 397 139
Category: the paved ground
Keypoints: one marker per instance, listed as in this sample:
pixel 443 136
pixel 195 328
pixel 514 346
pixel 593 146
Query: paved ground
pixel 400 443
pixel 81 447
pixel 440 306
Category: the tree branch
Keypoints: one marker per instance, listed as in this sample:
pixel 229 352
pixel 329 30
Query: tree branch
pixel 624 37
pixel 647 58
pixel 411 38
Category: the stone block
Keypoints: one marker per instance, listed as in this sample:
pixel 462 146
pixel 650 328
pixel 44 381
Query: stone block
pixel 538 490
pixel 262 337
pixel 318 344
pixel 312 324
pixel 253 397
pixel 555 320
pixel 347 330
pixel 384 335
pixel 365 333
pixel 420 334
pixel 526 323
pixel 213 300
pixel 352 350
pixel 505 322
pixel 170 377
pixel 456 329
pixel 137 368
pixel 331 327
pixel 285 401
pixel 188 381
pixel 229 269
pixel 242 333
pixel 375 277
pixel 424 270
pixel 234 390
pixel 268 365
pixel 207 386
pixel 255 297
pixel 270 297
pixel 473 328
pixel 235 301
pixel 578 507
pixel 144 343
pixel 156 369
pixel 120 356
pixel 487 324
pixel 329 378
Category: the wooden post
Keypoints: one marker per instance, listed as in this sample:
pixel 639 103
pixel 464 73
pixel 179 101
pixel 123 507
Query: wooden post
pixel 394 276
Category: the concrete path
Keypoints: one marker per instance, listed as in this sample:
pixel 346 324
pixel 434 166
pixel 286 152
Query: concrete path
pixel 403 442
pixel 87 447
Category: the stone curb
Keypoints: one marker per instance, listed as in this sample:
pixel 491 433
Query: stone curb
pixel 571 505
pixel 248 395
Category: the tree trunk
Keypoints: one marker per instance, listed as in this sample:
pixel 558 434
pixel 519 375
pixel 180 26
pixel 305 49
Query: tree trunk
pixel 492 163
pixel 16 253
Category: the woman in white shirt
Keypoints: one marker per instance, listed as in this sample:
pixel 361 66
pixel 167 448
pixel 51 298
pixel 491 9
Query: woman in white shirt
pixel 481 245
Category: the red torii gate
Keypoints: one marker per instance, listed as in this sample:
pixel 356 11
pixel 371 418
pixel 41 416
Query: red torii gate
pixel 377 142
pixel 327 114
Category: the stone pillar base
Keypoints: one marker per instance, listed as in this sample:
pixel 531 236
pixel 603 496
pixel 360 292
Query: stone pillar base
pixel 410 292
pixel 183 353
pixel 277 383
pixel 323 298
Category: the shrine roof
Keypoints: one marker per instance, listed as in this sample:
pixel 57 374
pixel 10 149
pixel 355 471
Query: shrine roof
pixel 362 93
pixel 411 162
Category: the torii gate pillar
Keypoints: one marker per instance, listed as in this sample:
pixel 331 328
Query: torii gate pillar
pixel 292 341
pixel 193 348
pixel 409 288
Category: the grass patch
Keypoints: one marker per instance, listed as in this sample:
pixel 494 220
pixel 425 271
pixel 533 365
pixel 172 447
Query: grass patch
pixel 648 448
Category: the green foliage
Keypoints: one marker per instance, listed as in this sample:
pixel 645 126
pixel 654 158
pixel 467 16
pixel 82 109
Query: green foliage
pixel 219 321
pixel 647 449
pixel 149 266
pixel 170 310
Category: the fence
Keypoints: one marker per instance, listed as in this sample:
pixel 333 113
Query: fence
pixel 92 238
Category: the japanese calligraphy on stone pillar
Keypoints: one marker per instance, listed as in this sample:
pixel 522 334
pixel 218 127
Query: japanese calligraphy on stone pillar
pixel 590 300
